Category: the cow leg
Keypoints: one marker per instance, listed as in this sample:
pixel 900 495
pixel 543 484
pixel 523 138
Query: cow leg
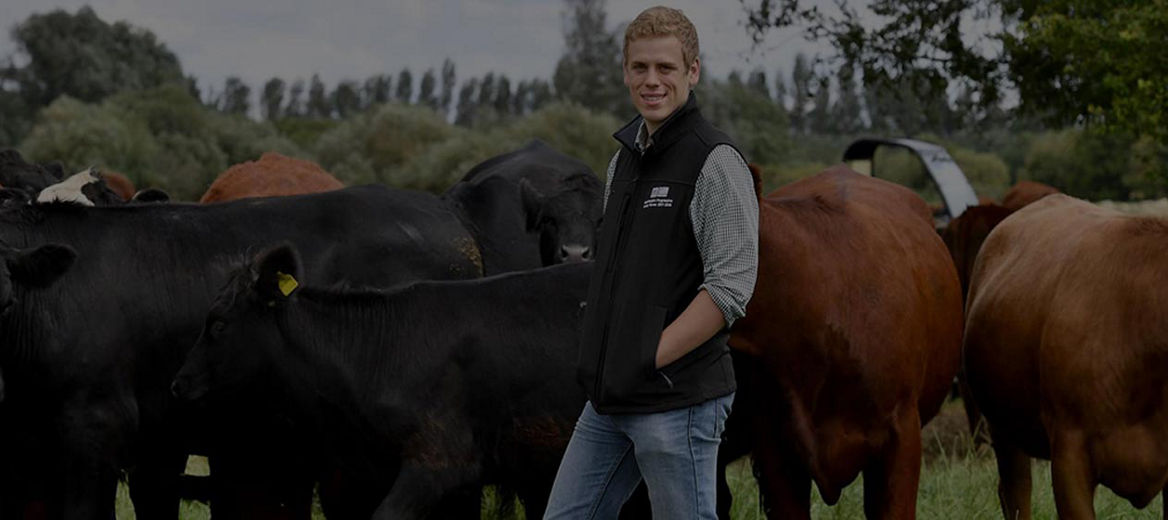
pixel 1013 479
pixel 418 488
pixel 784 484
pixel 154 484
pixel 1074 485
pixel 890 483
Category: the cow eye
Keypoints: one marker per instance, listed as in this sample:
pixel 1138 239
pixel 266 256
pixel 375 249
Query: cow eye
pixel 216 328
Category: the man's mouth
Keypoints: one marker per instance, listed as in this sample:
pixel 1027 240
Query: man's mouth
pixel 653 99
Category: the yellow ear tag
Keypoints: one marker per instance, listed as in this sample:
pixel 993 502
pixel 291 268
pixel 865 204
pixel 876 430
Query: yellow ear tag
pixel 287 283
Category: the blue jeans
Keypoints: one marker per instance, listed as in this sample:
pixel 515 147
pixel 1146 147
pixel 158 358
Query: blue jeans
pixel 675 451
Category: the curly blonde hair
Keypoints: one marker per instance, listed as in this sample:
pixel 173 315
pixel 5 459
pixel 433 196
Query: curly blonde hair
pixel 664 21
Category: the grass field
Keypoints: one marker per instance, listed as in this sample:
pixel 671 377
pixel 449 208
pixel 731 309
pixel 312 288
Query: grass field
pixel 958 481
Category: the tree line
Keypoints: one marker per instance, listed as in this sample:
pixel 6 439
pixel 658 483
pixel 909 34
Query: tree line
pixel 120 80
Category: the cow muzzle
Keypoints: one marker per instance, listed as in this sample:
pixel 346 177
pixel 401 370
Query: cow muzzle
pixel 575 253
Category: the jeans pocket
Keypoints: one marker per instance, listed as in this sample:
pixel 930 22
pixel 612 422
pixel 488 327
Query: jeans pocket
pixel 722 408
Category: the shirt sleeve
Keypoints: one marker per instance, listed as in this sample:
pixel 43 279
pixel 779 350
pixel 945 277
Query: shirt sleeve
pixel 608 181
pixel 724 212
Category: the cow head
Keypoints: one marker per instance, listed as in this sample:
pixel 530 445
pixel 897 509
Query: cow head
pixel 566 220
pixel 241 334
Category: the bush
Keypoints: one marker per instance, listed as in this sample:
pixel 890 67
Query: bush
pixel 160 137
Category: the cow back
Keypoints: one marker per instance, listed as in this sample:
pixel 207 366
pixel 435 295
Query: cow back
pixel 272 175
pixel 1065 333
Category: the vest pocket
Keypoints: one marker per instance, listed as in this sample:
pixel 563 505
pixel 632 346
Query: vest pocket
pixel 631 349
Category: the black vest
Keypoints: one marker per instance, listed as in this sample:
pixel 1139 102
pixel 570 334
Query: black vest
pixel 648 270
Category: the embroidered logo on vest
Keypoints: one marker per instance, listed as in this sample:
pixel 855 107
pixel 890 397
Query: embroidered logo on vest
pixel 658 198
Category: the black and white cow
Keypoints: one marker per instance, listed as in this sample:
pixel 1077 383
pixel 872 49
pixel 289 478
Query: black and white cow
pixel 425 390
pixel 529 208
pixel 86 187
pixel 89 361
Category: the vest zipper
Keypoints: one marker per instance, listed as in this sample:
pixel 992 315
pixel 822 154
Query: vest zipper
pixel 612 268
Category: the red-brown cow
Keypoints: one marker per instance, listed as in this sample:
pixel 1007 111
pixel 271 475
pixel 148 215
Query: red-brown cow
pixel 1024 193
pixel 121 185
pixel 1065 350
pixel 963 237
pixel 855 333
pixel 272 175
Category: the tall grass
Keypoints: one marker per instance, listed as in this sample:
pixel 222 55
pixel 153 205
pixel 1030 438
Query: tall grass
pixel 958 481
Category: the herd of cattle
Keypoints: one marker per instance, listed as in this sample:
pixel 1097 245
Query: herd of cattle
pixel 397 350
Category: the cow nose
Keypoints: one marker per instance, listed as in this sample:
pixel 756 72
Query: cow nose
pixel 575 253
pixel 176 389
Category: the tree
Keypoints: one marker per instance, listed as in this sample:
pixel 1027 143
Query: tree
pixel 346 99
pixel 272 99
pixel 846 112
pixel 466 103
pixel 801 78
pixel 81 56
pixel 757 82
pixel 541 94
pixel 295 106
pixel 405 87
pixel 236 96
pixel 376 90
pixel 502 102
pixel 819 120
pixel 448 81
pixel 1098 63
pixel 318 104
pixel 487 91
pixel 426 95
pixel 589 72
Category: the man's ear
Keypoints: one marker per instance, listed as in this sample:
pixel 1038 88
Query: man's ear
pixel 695 72
pixel 40 267
pixel 533 202
pixel 279 272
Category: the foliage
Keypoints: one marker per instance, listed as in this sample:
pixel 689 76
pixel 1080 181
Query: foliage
pixel 81 56
pixel 589 72
pixel 159 137
pixel 370 146
pixel 1096 166
pixel 757 124
pixel 1099 61
pixel 1071 61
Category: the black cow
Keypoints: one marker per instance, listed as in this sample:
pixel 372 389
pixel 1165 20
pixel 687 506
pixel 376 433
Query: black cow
pixel 454 384
pixel 529 208
pixel 16 173
pixel 89 361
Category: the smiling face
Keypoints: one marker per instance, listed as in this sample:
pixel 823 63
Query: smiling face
pixel 658 78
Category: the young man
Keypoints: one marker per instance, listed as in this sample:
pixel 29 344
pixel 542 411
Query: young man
pixel 676 264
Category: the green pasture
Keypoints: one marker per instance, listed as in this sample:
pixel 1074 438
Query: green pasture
pixel 958 481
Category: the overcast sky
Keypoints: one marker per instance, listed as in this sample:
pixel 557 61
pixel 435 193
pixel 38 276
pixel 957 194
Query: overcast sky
pixel 354 39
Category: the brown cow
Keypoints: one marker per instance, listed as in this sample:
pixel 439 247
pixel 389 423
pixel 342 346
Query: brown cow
pixel 119 184
pixel 963 237
pixel 272 175
pixel 1024 193
pixel 1065 352
pixel 854 335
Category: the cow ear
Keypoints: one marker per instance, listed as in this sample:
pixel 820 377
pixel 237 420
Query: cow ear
pixel 42 266
pixel 532 203
pixel 279 272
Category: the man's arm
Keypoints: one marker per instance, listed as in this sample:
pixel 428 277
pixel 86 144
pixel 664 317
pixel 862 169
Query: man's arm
pixel 725 218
